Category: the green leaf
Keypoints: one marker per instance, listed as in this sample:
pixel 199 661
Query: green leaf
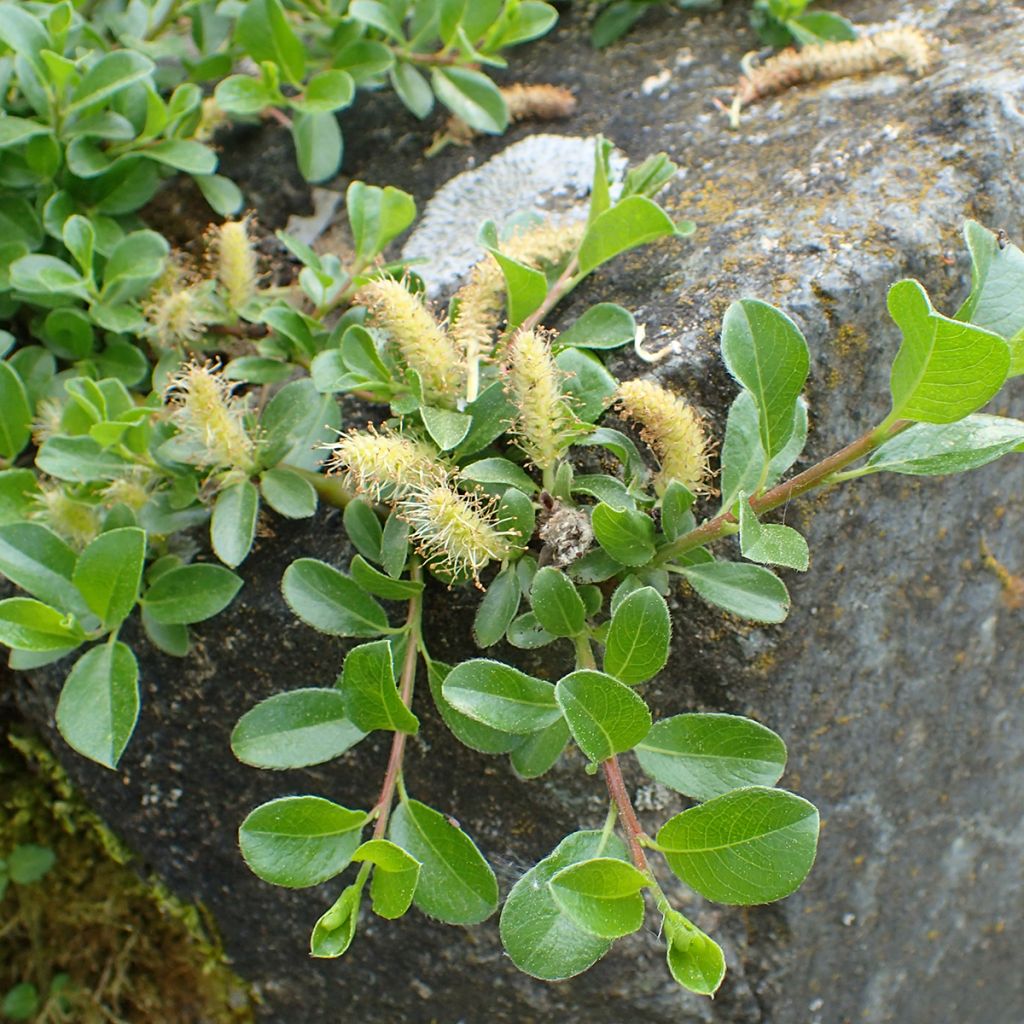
pixel 694 960
pixel 556 603
pixel 605 717
pixel 243 94
pixel 190 593
pixel 334 932
pixel 299 841
pixel 79 460
pixel 318 145
pixel 371 694
pixel 34 558
pixel 587 382
pixel 18 492
pixel 601 896
pixel 501 697
pixel 394 545
pixel 395 876
pixel 749 591
pixel 997 281
pixel 330 601
pixel 539 751
pixel 615 21
pixel 638 639
pixel 527 633
pixel 412 89
pixel 499 473
pixel 375 582
pixel 233 526
pixel 28 863
pixel 38 274
pixel 377 215
pixel 183 155
pixel 497 608
pixel 473 734
pixel 30 625
pixel 135 262
pixel 363 529
pixel 288 494
pixel 765 351
pixel 447 428
pixel 99 703
pixel 821 26
pixel 627 535
pixel 771 542
pixel 515 513
pixel 295 421
pixel 22 1001
pixel 491 412
pixel 605 325
pixel 109 572
pixel 473 97
pixel 223 195
pixel 944 369
pixel 749 846
pixel 295 729
pixel 526 288
pixel 540 938
pixel 264 32
pixel 173 639
pixel 111 74
pixel 927 449
pixel 326 92
pixel 456 885
pixel 704 756
pixel 634 221
pixel 744 462
pixel 676 517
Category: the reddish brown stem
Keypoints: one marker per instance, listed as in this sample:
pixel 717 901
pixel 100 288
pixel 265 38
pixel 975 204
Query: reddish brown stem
pixel 627 816
pixel 406 683
pixel 803 482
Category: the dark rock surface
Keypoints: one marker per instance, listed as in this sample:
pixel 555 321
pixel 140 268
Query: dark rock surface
pixel 897 680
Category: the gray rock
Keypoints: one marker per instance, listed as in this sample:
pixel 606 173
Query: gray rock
pixel 896 681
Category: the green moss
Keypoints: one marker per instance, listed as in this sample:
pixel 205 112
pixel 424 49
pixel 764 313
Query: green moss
pixel 132 951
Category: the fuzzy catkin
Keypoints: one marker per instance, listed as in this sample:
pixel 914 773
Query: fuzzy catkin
pixel 544 423
pixel 422 343
pixel 455 532
pixel 384 466
pixel 672 429
pixel 837 60
pixel 234 262
pixel 524 103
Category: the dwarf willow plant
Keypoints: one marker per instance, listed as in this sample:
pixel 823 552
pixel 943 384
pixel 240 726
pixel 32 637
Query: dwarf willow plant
pixel 473 479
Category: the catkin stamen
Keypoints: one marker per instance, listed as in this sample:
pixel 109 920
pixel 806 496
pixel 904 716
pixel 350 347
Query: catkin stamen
pixel 384 466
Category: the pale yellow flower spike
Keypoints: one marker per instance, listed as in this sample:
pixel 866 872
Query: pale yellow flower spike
pixel 455 532
pixel 545 423
pixel 207 412
pixel 673 430
pixel 384 466
pixel 76 521
pixel 422 343
pixel 235 262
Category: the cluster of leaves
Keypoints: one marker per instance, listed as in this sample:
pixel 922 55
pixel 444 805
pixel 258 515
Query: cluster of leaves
pixel 778 22
pixel 744 841
pixel 99 110
pixel 27 864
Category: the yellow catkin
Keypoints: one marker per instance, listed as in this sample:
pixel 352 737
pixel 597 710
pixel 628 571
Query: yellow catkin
pixel 524 102
pixel 544 423
pixel 132 490
pixel 175 316
pixel 456 533
pixel 384 466
pixel 481 300
pixel 906 45
pixel 673 430
pixel 206 411
pixel 49 420
pixel 76 521
pixel 234 262
pixel 422 343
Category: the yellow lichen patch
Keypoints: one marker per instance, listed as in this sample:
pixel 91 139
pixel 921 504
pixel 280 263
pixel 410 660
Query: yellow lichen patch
pixel 130 951
pixel 673 430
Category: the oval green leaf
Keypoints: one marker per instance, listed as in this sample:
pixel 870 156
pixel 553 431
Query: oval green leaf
pixel 605 717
